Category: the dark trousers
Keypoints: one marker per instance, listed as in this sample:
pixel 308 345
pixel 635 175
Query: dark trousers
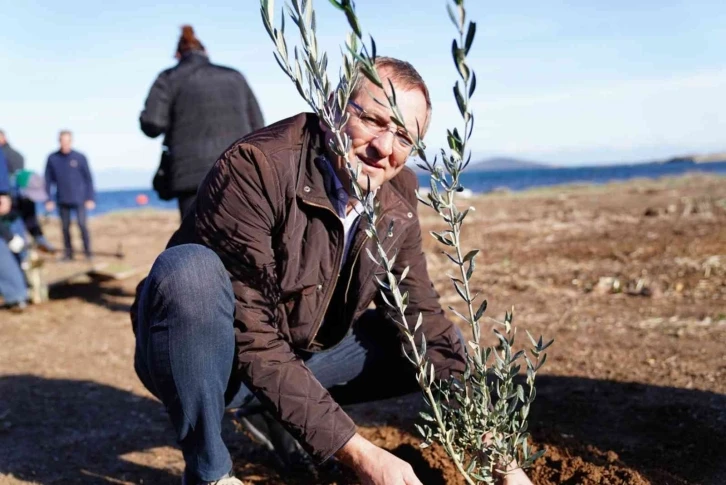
pixel 185 355
pixel 26 208
pixel 65 215
pixel 186 200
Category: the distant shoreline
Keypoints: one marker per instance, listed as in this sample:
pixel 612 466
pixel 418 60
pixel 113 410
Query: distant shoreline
pixel 116 201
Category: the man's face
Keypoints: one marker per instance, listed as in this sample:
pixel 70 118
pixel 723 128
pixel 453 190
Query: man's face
pixel 379 148
pixel 65 143
pixel 3 140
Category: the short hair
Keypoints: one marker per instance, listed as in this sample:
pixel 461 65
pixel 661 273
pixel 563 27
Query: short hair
pixel 400 72
pixel 65 132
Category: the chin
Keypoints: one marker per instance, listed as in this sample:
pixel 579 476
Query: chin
pixel 363 182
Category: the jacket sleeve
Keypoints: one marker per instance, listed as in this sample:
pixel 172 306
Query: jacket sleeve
pixel 154 119
pixel 90 191
pixel 49 177
pixel 237 210
pixel 444 345
pixel 4 176
pixel 254 114
pixel 257 121
pixel 20 160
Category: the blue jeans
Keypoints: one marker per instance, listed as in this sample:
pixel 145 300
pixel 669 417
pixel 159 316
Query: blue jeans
pixel 12 282
pixel 18 228
pixel 185 355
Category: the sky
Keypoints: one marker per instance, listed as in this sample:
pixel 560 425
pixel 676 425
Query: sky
pixel 578 82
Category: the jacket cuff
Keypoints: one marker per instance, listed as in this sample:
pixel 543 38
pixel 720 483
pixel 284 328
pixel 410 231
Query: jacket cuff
pixel 337 445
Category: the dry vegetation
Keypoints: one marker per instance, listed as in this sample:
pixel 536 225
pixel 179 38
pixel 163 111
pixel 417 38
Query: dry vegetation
pixel 629 278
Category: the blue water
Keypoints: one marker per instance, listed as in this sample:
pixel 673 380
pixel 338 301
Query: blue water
pixel 479 182
pixel 482 182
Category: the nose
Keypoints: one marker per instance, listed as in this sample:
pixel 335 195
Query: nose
pixel 383 144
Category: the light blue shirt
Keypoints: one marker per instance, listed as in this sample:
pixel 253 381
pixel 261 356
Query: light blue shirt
pixel 339 198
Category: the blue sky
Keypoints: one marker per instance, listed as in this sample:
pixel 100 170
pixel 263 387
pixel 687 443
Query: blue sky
pixel 567 82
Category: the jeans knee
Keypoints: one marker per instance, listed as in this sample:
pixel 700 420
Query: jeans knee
pixel 192 278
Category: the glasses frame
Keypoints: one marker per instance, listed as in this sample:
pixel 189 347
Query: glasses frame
pixel 402 142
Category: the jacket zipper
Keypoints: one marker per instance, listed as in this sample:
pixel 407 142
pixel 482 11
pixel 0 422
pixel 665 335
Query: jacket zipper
pixel 331 289
pixel 328 297
pixel 358 250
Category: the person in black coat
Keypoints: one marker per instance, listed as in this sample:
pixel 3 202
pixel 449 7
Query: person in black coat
pixel 14 159
pixel 201 108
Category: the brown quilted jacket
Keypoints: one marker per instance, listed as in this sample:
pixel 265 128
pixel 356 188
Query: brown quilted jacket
pixel 264 210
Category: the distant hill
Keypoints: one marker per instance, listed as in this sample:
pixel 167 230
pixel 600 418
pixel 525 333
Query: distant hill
pixel 506 163
pixel 698 158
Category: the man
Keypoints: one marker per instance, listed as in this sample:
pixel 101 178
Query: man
pixel 201 108
pixel 25 206
pixel 68 171
pixel 262 297
pixel 12 282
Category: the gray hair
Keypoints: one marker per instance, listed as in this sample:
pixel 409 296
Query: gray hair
pixel 400 72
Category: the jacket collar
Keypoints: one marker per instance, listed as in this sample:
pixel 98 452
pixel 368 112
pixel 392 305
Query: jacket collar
pixel 193 58
pixel 69 154
pixel 311 182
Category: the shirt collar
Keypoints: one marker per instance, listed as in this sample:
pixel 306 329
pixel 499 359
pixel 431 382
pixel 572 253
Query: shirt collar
pixel 334 188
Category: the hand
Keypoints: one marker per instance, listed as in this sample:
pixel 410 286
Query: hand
pixel 5 204
pixel 90 205
pixel 511 474
pixel 374 465
pixel 515 477
pixel 50 206
pixel 16 244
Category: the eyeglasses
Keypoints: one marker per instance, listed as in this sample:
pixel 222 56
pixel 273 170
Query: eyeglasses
pixel 376 127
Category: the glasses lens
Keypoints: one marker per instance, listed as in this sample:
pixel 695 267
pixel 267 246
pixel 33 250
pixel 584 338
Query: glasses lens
pixel 401 141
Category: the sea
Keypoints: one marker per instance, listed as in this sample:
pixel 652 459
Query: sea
pixel 478 182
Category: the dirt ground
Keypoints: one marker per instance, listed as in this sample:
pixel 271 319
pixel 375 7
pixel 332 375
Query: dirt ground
pixel 628 278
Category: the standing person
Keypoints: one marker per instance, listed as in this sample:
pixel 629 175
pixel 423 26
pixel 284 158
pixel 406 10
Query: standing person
pixel 25 206
pixel 68 171
pixel 261 299
pixel 201 108
pixel 15 160
pixel 12 282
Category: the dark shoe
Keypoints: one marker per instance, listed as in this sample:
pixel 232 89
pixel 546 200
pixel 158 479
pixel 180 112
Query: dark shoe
pixel 18 307
pixel 266 430
pixel 44 245
pixel 66 258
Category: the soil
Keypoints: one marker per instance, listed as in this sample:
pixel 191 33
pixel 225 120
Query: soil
pixel 628 278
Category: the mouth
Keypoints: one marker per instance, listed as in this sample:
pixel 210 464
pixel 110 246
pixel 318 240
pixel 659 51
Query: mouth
pixel 371 163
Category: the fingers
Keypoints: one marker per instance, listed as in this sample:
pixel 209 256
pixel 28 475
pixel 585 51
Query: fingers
pixel 516 477
pixel 412 481
pixel 5 204
pixel 410 477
